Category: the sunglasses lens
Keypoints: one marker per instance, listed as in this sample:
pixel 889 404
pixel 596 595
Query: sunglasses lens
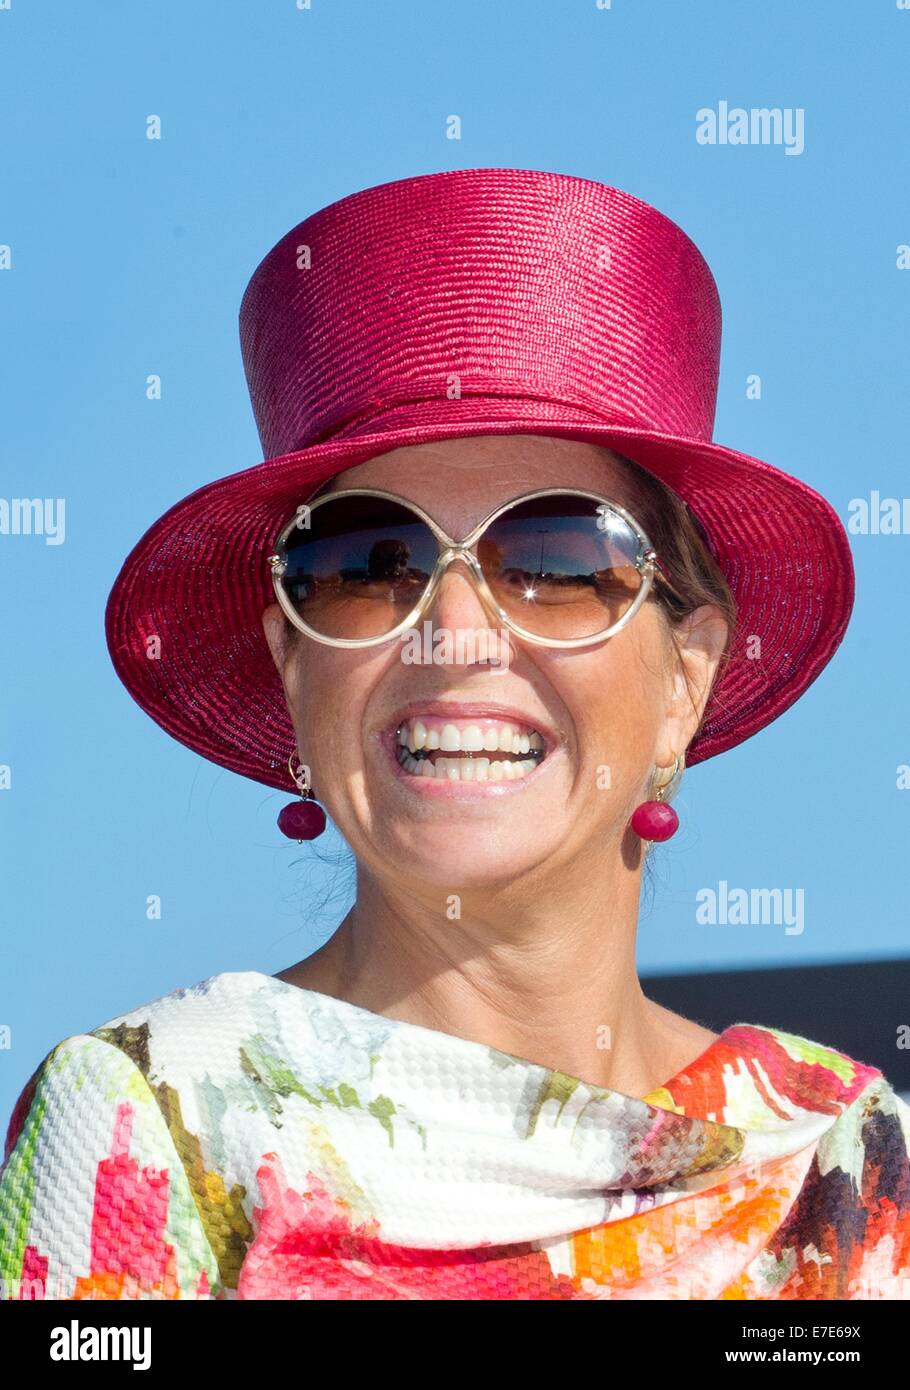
pixel 562 566
pixel 357 566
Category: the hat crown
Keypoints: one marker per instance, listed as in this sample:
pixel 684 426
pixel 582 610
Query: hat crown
pixel 402 300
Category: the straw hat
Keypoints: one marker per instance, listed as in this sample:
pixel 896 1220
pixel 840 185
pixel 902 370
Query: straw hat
pixel 478 301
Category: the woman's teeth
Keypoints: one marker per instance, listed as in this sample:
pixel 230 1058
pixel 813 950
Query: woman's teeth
pixel 423 744
pixel 466 769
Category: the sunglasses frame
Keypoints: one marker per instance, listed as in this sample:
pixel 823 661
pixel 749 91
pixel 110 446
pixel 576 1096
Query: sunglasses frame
pixel 647 562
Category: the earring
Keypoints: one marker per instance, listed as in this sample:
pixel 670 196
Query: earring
pixel 656 820
pixel 301 820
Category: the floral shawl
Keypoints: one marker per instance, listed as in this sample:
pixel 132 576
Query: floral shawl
pixel 248 1139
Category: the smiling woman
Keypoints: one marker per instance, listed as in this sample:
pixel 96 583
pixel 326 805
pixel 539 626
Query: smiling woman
pixel 465 1092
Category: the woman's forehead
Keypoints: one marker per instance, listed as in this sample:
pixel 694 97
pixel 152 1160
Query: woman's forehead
pixel 486 469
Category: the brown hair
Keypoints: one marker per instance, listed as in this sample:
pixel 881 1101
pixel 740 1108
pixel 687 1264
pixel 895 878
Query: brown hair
pixel 684 548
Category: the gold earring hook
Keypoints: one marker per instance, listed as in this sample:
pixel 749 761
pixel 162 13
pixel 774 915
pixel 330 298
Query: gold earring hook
pixel 668 782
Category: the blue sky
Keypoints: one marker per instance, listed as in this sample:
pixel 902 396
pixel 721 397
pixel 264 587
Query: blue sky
pixel 130 256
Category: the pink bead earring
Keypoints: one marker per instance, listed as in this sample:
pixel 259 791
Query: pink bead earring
pixel 656 820
pixel 301 820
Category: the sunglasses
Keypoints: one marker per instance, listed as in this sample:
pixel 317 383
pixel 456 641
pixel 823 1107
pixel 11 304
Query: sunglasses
pixel 559 567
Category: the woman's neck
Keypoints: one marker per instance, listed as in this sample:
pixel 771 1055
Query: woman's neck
pixel 544 973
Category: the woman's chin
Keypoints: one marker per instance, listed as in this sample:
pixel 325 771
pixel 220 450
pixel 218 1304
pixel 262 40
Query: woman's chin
pixel 460 862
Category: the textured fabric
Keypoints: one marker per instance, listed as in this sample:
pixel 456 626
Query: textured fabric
pixel 244 1138
pixel 471 302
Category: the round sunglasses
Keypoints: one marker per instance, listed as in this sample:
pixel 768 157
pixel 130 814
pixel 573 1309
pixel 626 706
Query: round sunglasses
pixel 559 567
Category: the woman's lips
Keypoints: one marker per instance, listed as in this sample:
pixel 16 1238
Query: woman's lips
pixel 446 786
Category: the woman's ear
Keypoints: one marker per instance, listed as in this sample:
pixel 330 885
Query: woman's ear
pixel 275 627
pixel 699 642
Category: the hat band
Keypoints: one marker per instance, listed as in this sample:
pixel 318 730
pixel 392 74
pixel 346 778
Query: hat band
pixel 409 411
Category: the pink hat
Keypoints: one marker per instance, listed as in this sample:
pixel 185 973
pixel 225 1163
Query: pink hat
pixel 563 307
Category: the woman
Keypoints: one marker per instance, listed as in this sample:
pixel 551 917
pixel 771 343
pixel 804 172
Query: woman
pixel 492 588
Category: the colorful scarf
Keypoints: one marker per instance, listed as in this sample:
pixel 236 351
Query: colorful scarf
pixel 245 1138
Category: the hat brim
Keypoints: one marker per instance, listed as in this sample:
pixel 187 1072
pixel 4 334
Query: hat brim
pixel 199 580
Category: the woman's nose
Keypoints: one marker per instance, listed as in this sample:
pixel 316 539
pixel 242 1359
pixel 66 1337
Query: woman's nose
pixel 457 602
pixel 457 608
